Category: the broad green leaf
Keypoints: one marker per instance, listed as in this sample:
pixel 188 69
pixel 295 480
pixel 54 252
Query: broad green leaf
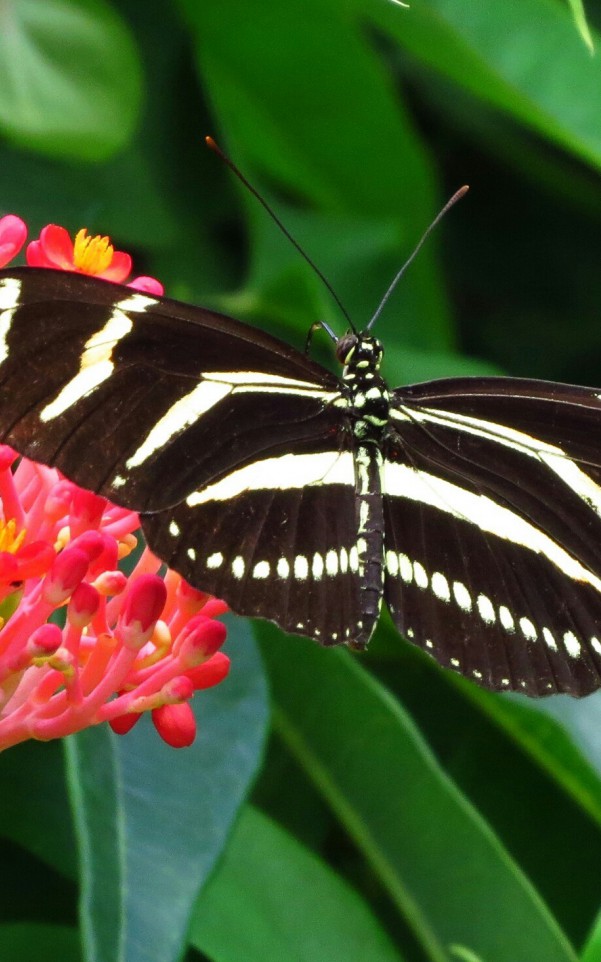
pixel 441 863
pixel 299 139
pixel 257 904
pixel 70 79
pixel 24 942
pixel 538 729
pixel 518 768
pixel 151 821
pixel 522 56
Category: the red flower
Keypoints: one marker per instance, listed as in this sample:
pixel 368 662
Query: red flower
pixel 12 237
pixel 129 644
pixel 86 255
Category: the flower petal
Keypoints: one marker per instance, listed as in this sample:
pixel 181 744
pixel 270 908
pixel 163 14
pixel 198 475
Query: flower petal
pixel 118 269
pixel 148 285
pixel 55 249
pixel 13 232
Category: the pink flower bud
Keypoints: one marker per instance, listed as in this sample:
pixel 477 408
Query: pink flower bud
pixel 123 724
pixel 58 501
pixel 92 543
pixel 190 599
pixel 143 605
pixel 111 583
pixel 177 690
pixel 175 724
pixel 45 641
pixel 200 639
pixel 211 673
pixel 214 608
pixel 86 511
pixel 67 571
pixel 107 558
pixel 83 605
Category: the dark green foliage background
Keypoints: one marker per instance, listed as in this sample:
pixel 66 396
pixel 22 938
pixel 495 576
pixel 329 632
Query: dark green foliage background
pixel 394 812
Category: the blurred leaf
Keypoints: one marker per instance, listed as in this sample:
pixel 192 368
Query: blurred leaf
pixel 34 807
pixel 520 55
pixel 122 198
pixel 298 143
pixel 442 865
pixel 534 726
pixel 70 80
pixel 577 8
pixel 519 769
pixel 582 719
pixel 24 942
pixel 267 886
pixel 592 950
pixel 151 821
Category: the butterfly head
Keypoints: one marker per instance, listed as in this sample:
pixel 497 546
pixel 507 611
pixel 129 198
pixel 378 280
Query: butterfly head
pixel 359 351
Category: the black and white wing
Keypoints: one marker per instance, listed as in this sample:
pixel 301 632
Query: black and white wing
pixel 171 411
pixel 492 503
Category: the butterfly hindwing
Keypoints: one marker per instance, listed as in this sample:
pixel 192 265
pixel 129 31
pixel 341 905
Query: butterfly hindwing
pixel 276 538
pixel 493 534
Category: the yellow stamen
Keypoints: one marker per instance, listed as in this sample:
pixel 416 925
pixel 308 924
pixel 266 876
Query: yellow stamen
pixel 126 545
pixel 63 538
pixel 9 539
pixel 92 255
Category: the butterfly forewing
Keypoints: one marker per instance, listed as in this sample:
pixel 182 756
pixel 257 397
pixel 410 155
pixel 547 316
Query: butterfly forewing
pixel 134 396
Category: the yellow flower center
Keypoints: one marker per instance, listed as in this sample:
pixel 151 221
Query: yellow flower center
pixel 9 539
pixel 92 255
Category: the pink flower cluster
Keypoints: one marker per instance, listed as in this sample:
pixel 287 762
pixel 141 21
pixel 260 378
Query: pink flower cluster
pixel 80 642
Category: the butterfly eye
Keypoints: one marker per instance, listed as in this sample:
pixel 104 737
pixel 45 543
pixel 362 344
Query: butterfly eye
pixel 346 348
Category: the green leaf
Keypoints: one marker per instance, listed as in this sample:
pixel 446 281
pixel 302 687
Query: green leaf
pixel 151 821
pixel 22 942
pixel 577 8
pixel 522 56
pixel 257 903
pixel 592 949
pixel 70 79
pixel 443 867
pixel 296 140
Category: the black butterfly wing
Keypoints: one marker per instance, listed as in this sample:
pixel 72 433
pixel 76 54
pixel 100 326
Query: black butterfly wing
pixel 492 503
pixel 276 538
pixel 231 444
pixel 140 398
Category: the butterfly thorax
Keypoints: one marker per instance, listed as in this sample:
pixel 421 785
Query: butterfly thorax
pixel 368 394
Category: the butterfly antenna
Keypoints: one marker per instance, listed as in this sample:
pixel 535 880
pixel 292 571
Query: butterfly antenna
pixel 217 149
pixel 450 203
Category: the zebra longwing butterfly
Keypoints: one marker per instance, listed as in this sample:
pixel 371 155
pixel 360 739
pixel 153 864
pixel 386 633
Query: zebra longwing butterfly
pixel 471 505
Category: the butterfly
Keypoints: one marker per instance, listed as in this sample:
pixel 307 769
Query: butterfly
pixel 471 506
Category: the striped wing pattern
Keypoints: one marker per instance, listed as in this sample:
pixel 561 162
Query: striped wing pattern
pixel 473 507
pixel 493 533
pixel 134 402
